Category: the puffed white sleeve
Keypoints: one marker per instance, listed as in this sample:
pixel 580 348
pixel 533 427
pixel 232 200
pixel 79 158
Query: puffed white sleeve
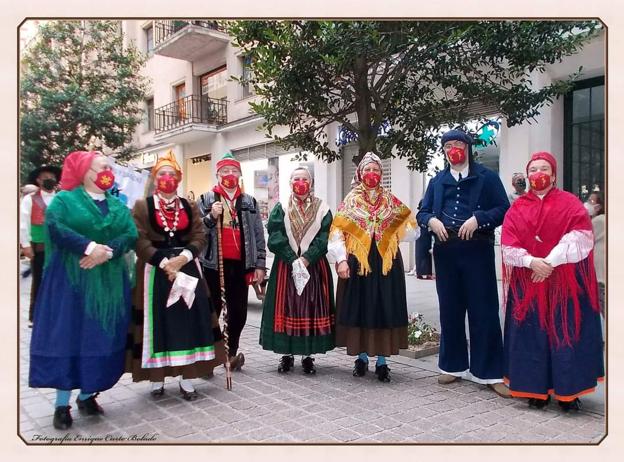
pixel 572 248
pixel 412 231
pixel 516 256
pixel 336 250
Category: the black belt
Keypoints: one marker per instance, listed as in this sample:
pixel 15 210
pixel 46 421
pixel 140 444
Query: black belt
pixel 453 235
pixel 167 251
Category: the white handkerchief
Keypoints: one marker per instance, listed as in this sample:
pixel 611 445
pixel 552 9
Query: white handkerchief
pixel 183 286
pixel 300 275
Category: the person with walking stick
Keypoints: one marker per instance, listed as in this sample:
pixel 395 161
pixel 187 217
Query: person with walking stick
pixel 227 210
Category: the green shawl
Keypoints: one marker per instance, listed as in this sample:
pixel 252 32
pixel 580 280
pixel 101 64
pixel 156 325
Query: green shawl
pixel 74 213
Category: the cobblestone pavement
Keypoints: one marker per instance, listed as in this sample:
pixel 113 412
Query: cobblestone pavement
pixel 329 407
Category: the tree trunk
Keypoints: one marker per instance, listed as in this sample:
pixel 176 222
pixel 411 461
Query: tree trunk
pixel 367 138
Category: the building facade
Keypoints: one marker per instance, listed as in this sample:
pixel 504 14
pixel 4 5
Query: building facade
pixel 198 111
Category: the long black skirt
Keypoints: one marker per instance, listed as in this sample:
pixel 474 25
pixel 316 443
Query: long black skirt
pixel 372 309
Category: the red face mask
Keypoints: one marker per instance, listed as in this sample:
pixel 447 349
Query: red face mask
pixel 371 179
pixel 229 181
pixel 104 180
pixel 301 187
pixel 167 183
pixel 457 156
pixel 539 180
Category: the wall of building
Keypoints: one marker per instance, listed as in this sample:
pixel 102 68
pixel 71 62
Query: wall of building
pixel 516 143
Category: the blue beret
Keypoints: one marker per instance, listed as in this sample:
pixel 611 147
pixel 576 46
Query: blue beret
pixel 458 135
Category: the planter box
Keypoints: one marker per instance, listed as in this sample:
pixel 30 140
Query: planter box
pixel 420 353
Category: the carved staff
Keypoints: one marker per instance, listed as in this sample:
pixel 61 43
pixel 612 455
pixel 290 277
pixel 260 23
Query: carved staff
pixel 224 310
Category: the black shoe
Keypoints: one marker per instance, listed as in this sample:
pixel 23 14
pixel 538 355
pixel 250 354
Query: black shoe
pixel 382 372
pixel 568 406
pixel 188 395
pixel 237 362
pixel 538 403
pixel 360 368
pixel 62 418
pixel 308 365
pixel 286 363
pixel 90 405
pixel 158 392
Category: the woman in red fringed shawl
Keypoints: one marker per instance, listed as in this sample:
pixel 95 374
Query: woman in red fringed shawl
pixel 553 339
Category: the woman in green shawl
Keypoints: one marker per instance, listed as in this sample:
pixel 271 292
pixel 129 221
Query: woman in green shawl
pixel 83 305
pixel 298 311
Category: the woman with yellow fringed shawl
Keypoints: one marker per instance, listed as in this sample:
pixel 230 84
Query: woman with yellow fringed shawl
pixel 364 238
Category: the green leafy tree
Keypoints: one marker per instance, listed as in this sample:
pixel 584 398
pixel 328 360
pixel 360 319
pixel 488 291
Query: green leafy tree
pixel 78 82
pixel 402 79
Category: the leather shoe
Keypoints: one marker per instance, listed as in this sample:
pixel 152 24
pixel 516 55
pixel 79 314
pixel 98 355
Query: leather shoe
pixel 188 395
pixel 500 389
pixel 445 379
pixel 360 368
pixel 90 405
pixel 236 362
pixel 62 418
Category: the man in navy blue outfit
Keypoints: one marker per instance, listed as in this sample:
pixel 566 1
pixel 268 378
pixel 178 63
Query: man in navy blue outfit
pixel 462 206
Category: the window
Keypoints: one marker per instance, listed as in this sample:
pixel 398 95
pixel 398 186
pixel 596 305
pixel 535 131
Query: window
pixel 214 83
pixel 149 109
pixel 584 138
pixel 149 40
pixel 247 77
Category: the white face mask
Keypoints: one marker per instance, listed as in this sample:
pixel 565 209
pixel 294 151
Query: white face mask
pixel 591 208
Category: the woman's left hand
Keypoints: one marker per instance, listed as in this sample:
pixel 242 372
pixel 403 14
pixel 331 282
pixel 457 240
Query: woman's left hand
pixel 174 265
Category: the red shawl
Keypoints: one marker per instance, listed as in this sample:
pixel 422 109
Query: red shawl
pixel 538 225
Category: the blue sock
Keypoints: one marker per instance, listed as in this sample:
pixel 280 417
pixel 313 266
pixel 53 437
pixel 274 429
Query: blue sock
pixel 62 397
pixel 363 357
pixel 381 360
pixel 84 396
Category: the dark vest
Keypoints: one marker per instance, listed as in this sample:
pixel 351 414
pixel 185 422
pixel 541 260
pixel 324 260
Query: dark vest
pixel 456 201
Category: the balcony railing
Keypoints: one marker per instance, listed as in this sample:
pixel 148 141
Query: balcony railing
pixel 192 109
pixel 165 29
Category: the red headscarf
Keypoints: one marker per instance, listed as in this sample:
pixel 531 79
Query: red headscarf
pixel 75 168
pixel 548 157
pixel 537 225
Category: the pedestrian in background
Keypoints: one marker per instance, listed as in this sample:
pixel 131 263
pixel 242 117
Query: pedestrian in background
pixel 595 207
pixel 44 180
pixel 519 184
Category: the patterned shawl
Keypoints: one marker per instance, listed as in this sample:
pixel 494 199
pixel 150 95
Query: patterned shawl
pixel 301 215
pixel 359 220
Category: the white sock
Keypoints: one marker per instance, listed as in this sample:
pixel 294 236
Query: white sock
pixel 157 385
pixel 187 385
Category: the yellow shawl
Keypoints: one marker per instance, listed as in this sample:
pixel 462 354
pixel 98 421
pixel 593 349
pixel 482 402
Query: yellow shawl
pixel 359 220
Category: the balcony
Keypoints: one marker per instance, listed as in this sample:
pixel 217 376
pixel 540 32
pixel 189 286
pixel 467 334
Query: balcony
pixel 188 40
pixel 189 118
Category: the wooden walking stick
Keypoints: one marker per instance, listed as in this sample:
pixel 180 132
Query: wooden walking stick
pixel 224 310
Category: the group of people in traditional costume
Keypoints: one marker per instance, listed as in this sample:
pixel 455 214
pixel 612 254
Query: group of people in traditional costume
pixel 196 259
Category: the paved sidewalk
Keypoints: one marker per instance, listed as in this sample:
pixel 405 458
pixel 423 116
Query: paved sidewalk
pixel 329 407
